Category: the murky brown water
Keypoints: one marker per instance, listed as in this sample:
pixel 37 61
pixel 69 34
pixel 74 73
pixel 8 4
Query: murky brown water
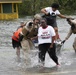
pixel 8 61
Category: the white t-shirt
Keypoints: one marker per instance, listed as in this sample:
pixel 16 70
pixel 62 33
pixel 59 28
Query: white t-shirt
pixel 49 10
pixel 45 35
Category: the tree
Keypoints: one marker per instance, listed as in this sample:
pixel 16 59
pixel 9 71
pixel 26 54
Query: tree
pixel 31 7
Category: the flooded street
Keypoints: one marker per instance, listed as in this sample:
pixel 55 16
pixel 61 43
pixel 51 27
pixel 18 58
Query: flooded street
pixel 8 60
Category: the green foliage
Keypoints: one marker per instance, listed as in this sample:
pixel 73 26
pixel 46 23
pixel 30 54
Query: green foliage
pixel 31 7
pixel 25 8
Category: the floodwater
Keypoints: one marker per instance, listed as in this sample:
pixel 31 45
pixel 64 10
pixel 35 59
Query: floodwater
pixel 8 61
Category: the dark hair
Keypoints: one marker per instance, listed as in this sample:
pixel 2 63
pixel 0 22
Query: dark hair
pixel 55 5
pixel 44 19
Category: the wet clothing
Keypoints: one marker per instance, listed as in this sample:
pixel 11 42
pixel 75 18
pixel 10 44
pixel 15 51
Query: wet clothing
pixel 43 48
pixel 51 17
pixel 27 44
pixel 15 44
pixel 16 34
pixel 15 38
pixel 44 41
pixel 45 35
pixel 28 32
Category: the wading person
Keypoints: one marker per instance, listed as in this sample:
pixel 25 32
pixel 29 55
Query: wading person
pixel 29 31
pixel 50 14
pixel 15 40
pixel 72 23
pixel 46 41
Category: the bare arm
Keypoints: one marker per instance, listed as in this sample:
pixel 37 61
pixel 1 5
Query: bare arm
pixel 69 34
pixel 53 39
pixel 44 11
pixel 67 37
pixel 36 37
pixel 62 16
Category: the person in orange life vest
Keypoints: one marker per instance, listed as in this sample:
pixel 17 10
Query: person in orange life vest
pixel 15 42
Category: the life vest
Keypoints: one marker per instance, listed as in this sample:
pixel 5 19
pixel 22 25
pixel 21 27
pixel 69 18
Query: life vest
pixel 16 34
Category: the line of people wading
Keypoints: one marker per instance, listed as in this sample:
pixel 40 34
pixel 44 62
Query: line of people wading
pixel 44 30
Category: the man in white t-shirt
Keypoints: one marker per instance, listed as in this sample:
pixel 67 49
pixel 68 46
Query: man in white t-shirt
pixel 46 41
pixel 50 15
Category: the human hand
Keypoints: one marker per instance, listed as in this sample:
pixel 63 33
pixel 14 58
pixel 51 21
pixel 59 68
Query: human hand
pixel 32 38
pixel 20 37
pixel 69 18
pixel 63 42
pixel 46 13
pixel 51 46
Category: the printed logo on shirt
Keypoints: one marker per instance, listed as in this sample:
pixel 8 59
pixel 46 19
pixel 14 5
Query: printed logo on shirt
pixel 45 35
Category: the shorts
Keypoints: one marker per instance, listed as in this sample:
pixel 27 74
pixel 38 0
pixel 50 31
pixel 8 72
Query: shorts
pixel 50 20
pixel 15 44
pixel 54 24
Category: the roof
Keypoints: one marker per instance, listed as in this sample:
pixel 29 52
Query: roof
pixel 10 1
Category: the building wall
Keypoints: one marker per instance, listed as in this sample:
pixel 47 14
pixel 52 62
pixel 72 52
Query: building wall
pixel 10 1
pixel 8 11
